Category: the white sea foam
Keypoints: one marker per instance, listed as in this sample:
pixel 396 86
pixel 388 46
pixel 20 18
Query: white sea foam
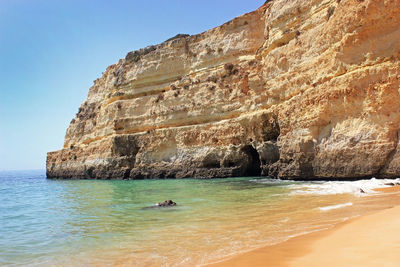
pixel 333 207
pixel 271 181
pixel 358 188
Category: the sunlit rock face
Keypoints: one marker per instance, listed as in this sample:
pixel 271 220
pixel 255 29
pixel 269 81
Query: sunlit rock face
pixel 299 89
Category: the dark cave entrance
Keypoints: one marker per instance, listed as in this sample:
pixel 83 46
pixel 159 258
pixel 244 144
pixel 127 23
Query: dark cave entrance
pixel 253 168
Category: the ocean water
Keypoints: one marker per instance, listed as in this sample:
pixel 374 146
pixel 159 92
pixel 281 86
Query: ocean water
pixel 107 223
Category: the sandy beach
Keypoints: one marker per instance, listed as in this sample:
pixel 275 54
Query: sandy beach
pixel 369 240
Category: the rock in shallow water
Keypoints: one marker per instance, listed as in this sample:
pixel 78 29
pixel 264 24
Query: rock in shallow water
pixel 167 203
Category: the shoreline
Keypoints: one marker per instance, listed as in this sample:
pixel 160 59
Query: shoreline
pixel 367 240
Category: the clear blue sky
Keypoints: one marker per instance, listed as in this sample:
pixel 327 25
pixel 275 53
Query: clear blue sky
pixel 51 51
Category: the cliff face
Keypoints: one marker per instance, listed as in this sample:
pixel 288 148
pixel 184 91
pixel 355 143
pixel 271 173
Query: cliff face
pixel 296 89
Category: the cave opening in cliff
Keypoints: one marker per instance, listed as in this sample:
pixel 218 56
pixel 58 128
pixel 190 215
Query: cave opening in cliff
pixel 254 165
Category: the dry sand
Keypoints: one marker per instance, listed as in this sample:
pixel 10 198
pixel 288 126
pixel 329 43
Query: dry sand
pixel 370 240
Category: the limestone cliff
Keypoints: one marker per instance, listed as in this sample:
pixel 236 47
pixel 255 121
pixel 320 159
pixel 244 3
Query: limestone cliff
pixel 296 89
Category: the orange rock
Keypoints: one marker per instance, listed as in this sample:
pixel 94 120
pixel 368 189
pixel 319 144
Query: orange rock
pixel 315 83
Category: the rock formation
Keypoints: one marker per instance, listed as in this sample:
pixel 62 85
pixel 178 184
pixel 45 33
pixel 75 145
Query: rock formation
pixel 301 89
pixel 166 203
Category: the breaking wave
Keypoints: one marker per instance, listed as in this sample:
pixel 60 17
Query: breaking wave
pixel 358 188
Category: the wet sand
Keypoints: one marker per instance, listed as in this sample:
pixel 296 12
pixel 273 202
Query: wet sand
pixel 369 240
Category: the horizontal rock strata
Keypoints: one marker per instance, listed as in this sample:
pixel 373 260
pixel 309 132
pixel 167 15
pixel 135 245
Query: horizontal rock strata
pixel 300 89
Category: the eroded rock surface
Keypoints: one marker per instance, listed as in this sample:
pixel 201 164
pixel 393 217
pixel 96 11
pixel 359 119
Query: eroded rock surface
pixel 296 89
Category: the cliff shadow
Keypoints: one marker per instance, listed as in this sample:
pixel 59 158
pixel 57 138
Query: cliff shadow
pixel 253 167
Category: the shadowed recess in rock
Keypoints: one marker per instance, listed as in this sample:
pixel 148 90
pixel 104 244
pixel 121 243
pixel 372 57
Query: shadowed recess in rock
pixel 253 167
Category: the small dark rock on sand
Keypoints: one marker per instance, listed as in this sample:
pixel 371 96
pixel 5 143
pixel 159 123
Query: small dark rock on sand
pixel 392 184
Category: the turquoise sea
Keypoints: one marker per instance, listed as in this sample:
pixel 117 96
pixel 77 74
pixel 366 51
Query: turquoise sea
pixel 106 223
